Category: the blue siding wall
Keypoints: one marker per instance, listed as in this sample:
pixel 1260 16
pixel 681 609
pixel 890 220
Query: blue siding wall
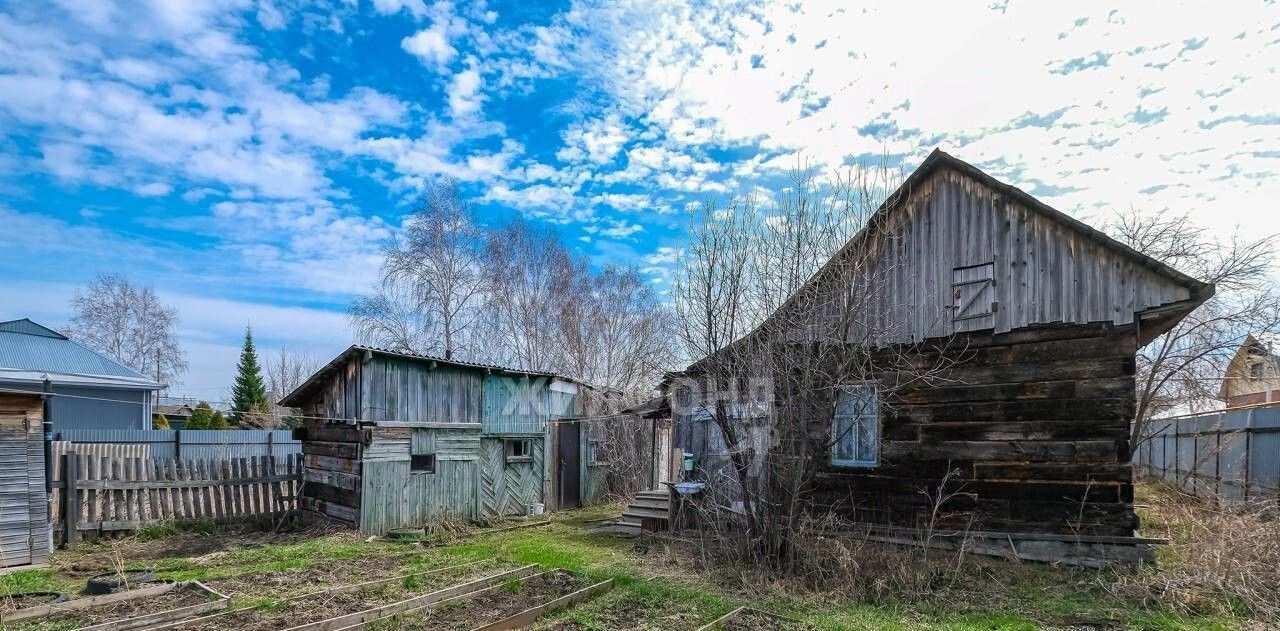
pixel 104 408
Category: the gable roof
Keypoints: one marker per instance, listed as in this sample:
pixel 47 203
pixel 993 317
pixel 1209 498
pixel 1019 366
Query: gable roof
pixel 1163 318
pixel 29 351
pixel 294 399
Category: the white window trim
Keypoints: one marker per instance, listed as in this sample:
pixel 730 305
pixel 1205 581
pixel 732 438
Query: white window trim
pixel 875 435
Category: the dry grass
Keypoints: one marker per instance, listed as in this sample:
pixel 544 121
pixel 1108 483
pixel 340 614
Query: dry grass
pixel 1221 559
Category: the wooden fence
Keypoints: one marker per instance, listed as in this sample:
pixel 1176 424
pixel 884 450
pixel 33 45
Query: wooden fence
pixel 102 494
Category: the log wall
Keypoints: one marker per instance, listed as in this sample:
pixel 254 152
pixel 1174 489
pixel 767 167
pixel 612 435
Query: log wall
pixel 1033 424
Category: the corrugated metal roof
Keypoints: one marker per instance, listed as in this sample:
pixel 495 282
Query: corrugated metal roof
pixel 28 347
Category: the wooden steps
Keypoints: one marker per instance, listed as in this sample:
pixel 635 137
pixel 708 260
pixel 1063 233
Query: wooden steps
pixel 650 510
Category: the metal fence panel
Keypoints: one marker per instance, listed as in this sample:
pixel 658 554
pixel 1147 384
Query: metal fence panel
pixel 189 444
pixel 1231 455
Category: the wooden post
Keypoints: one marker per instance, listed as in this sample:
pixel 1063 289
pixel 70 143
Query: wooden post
pixel 71 499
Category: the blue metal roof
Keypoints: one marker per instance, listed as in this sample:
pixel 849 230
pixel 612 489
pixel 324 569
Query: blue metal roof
pixel 25 345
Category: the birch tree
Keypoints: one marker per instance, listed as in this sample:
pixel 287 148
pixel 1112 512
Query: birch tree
pixel 129 324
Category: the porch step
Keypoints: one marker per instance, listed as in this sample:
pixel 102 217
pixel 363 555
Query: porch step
pixel 651 504
pixel 657 495
pixel 637 512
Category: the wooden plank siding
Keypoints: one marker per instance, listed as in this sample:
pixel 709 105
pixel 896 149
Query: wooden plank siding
pixel 1044 271
pixel 24 531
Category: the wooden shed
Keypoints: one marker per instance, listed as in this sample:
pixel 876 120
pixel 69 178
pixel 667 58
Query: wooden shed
pixel 24 516
pixel 1029 321
pixel 397 439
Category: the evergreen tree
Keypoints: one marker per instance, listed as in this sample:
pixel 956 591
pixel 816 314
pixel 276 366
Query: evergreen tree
pixel 205 417
pixel 249 394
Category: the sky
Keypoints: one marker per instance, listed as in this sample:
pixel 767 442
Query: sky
pixel 249 158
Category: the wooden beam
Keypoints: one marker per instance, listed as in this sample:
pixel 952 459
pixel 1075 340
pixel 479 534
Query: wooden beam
pixel 147 621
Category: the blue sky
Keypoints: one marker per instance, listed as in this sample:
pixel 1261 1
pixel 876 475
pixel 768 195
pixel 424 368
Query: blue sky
pixel 247 157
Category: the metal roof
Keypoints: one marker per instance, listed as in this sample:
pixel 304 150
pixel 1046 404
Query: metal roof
pixel 28 349
pixel 291 399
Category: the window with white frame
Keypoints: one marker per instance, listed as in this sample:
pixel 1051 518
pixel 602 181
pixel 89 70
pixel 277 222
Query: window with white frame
pixel 855 429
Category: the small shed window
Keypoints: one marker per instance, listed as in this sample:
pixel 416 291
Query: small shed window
pixel 973 291
pixel 855 430
pixel 1255 370
pixel 595 453
pixel 518 449
pixel 422 463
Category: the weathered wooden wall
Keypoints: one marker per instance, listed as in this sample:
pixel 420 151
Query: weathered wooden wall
pixel 411 391
pixel 1033 423
pixel 506 488
pixel 1044 271
pixel 394 496
pixel 332 469
pixel 24 523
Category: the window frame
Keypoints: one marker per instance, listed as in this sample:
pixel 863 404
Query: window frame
pixel 429 468
pixel 509 451
pixel 875 426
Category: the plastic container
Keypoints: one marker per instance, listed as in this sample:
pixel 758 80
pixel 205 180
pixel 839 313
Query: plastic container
pixel 537 508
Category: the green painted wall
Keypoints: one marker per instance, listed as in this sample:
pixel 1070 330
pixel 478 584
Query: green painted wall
pixel 392 496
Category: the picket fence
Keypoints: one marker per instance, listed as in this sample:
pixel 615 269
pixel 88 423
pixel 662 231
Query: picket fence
pixel 95 495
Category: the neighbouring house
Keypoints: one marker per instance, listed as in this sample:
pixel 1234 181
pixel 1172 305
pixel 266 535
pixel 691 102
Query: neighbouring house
pixel 24 522
pixel 396 439
pixel 176 413
pixel 91 390
pixel 1253 374
pixel 1029 321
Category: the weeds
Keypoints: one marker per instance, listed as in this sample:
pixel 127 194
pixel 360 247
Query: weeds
pixel 1220 559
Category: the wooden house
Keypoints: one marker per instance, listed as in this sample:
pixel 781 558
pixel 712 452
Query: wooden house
pixel 398 440
pixel 1252 376
pixel 1032 320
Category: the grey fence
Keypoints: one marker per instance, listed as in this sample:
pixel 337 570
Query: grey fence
pixel 1230 455
pixel 186 444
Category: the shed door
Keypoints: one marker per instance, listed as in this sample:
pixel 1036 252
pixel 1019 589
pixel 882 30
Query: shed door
pixel 973 297
pixel 569 466
pixel 16 496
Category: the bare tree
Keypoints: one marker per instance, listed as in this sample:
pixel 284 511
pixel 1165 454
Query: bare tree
pixel 433 279
pixel 286 370
pixel 527 270
pixel 390 317
pixel 1182 369
pixel 129 324
pixel 614 331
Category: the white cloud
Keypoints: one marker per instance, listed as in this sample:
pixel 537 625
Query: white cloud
pixel 431 45
pixel 464 93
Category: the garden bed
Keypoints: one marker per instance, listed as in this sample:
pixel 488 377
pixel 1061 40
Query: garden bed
pixel 491 605
pixel 147 600
pixel 338 601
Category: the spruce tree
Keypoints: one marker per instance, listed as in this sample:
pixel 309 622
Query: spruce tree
pixel 249 394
